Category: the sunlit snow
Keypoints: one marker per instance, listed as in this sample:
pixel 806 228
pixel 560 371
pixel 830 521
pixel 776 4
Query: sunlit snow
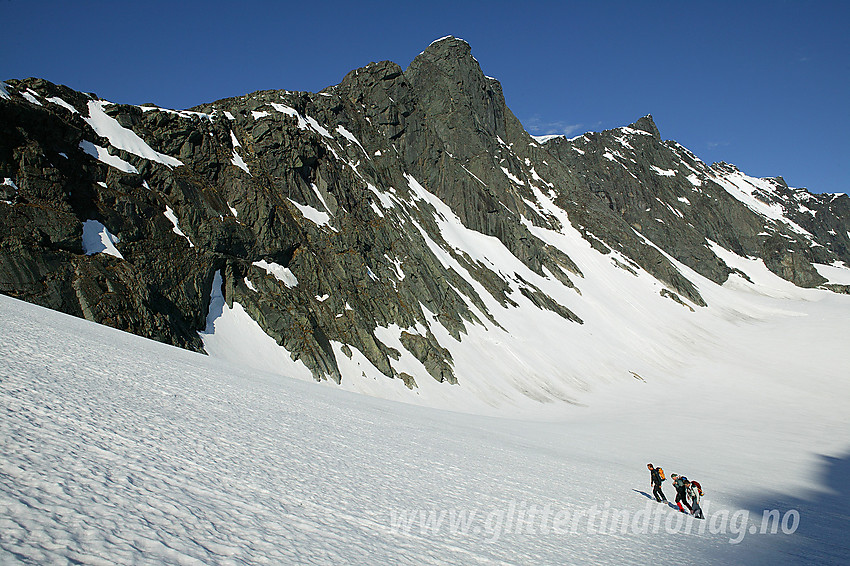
pixel 58 101
pixel 123 138
pixel 834 273
pixel 304 122
pixel 350 137
pixel 102 154
pixel 31 96
pixel 169 213
pixel 663 172
pixel 315 216
pixel 743 187
pixel 279 272
pixel 544 139
pixel 168 456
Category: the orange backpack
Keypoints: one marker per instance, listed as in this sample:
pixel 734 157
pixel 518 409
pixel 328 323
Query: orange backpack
pixel 661 473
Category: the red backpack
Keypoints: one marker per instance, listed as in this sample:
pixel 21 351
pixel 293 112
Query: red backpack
pixel 698 486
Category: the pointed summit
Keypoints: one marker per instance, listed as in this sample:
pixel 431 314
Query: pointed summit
pixel 449 56
pixel 447 44
pixel 647 124
pixel 452 93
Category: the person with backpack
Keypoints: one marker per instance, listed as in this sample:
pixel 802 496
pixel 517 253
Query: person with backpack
pixel 656 476
pixel 694 490
pixel 681 491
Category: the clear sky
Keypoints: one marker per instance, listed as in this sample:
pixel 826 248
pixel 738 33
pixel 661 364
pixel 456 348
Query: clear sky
pixel 761 84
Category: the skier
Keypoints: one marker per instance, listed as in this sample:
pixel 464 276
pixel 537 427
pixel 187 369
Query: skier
pixel 655 477
pixel 681 491
pixel 694 490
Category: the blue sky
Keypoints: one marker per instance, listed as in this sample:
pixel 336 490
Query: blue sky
pixel 763 85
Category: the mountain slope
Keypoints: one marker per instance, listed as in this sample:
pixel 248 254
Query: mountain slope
pixel 401 224
pixel 681 204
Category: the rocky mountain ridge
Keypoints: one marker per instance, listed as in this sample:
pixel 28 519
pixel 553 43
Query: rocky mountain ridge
pixel 403 199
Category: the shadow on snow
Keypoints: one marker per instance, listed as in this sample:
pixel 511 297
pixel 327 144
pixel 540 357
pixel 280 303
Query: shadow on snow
pixel 821 536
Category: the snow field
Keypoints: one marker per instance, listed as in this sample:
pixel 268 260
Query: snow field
pixel 168 456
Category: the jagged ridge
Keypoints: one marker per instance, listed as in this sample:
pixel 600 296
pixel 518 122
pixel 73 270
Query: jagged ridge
pixel 331 216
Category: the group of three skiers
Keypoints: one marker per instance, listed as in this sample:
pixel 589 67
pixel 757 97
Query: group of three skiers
pixel 685 490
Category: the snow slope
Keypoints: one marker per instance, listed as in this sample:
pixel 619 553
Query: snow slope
pixel 119 450
pixel 519 355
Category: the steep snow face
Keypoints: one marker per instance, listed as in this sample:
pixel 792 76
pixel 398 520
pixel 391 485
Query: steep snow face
pixel 279 272
pixel 755 194
pixel 315 216
pixel 239 162
pixel 237 159
pixel 304 122
pixel 544 139
pixel 102 154
pixel 123 138
pixel 173 219
pixel 60 102
pixel 167 456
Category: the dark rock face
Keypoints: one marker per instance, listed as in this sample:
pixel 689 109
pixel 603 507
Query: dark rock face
pixel 319 210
